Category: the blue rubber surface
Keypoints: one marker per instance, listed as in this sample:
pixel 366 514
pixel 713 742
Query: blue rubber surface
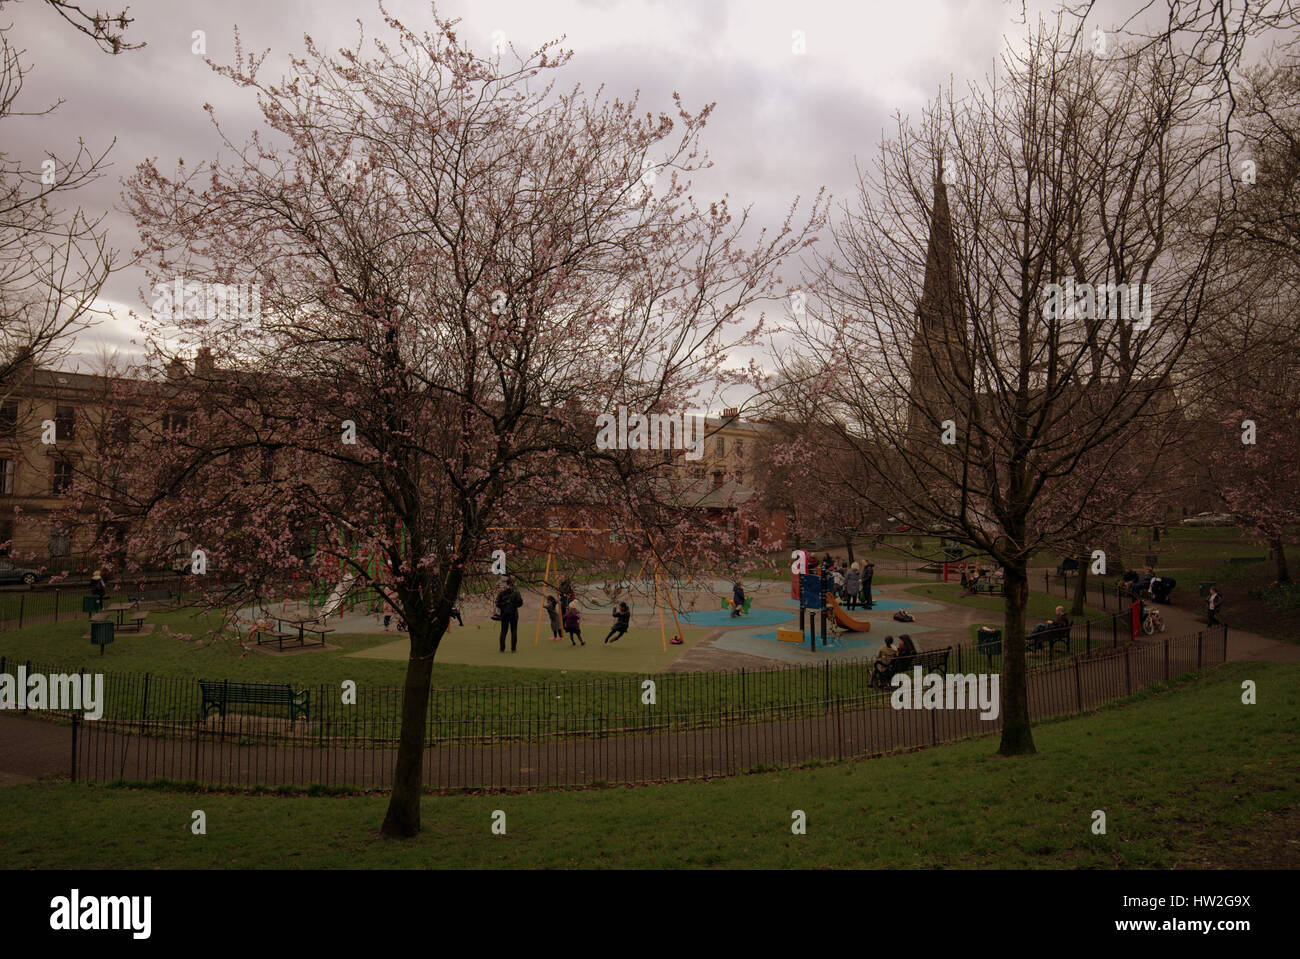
pixel 722 617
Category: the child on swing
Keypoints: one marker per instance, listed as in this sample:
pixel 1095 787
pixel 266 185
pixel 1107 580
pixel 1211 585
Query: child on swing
pixel 622 616
pixel 557 622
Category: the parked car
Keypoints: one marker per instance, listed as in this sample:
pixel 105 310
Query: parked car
pixel 1210 519
pixel 9 573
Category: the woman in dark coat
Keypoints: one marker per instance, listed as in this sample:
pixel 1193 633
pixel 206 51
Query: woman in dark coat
pixel 868 571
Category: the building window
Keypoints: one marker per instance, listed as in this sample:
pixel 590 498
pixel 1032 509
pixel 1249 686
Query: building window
pixel 64 419
pixel 6 535
pixel 6 477
pixel 722 446
pixel 62 477
pixel 174 422
pixel 740 449
pixel 60 544
pixel 718 478
pixel 8 418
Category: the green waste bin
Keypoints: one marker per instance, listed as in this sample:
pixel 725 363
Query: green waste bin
pixel 101 634
pixel 90 604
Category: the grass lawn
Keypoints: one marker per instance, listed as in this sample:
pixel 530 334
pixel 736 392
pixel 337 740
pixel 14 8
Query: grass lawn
pixel 1042 606
pixel 65 644
pixel 477 644
pixel 1188 546
pixel 1188 777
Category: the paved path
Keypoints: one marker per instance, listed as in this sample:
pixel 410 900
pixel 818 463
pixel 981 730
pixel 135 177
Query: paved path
pixel 677 751
pixel 1242 646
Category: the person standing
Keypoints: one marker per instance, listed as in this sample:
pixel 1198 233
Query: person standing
pixel 622 617
pixel 98 588
pixel 573 623
pixel 868 572
pixel 1212 607
pixel 568 595
pixel 508 602
pixel 853 585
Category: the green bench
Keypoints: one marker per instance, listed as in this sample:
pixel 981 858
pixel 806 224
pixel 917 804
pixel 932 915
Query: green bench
pixel 218 694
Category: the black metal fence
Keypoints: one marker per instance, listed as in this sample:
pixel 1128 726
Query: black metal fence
pixel 667 726
pixel 29 607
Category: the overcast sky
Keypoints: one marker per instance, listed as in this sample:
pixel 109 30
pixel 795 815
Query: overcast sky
pixel 786 123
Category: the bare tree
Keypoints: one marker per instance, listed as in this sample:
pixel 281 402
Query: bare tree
pixel 53 262
pixel 1015 283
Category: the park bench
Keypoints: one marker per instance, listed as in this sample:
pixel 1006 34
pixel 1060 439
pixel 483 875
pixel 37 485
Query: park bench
pixel 218 694
pixel 1048 637
pixel 1236 560
pixel 137 621
pixel 991 586
pixel 930 661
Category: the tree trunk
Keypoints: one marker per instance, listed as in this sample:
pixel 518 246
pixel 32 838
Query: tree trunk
pixel 1017 737
pixel 849 544
pixel 403 817
pixel 1081 587
pixel 1279 552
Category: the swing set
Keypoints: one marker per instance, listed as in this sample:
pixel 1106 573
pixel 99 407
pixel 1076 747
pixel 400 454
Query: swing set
pixel 344 598
pixel 553 570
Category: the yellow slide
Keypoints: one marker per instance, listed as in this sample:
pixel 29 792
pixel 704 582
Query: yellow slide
pixel 847 621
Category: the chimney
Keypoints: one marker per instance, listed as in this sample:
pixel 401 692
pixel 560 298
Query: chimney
pixel 176 368
pixel 731 413
pixel 203 363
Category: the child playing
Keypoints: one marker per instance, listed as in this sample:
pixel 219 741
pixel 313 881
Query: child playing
pixel 737 599
pixel 557 622
pixel 573 623
pixel 622 616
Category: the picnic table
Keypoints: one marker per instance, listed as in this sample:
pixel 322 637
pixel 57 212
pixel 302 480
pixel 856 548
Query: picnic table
pixel 121 609
pixel 302 622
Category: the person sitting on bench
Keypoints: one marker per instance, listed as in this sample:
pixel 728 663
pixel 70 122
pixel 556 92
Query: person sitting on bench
pixel 884 659
pixel 906 647
pixel 1060 622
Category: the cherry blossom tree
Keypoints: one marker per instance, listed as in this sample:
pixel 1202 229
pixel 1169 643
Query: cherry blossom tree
pixel 457 265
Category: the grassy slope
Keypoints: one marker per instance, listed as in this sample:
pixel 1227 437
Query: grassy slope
pixel 1184 776
pixel 1041 605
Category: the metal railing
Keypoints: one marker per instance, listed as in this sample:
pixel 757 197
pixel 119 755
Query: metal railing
pixel 684 726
